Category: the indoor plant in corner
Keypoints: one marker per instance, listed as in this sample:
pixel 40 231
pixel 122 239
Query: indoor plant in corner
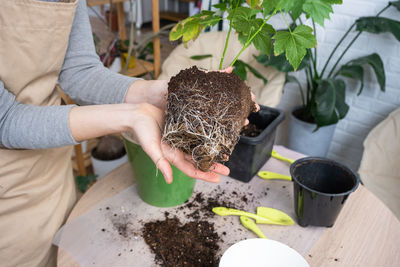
pixel 209 130
pixel 323 102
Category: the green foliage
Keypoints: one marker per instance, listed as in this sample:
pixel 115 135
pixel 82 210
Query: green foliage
pixel 294 44
pixel 379 25
pixel 240 70
pixel 84 181
pixel 330 105
pixel 318 10
pixel 250 22
pixel 324 99
pixel 353 69
pixel 200 57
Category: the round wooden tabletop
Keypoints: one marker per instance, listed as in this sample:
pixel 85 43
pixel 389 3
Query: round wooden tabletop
pixel 366 232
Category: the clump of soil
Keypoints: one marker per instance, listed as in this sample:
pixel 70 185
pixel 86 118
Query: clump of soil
pixel 205 113
pixel 190 244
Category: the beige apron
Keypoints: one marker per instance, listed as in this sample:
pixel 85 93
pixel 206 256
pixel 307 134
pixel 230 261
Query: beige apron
pixel 36 186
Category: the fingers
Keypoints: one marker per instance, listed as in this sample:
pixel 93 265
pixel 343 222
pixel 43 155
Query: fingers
pixel 246 122
pixel 221 169
pixel 253 97
pixel 186 165
pixel 227 70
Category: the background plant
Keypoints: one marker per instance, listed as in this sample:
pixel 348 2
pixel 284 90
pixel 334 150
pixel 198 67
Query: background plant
pixel 250 19
pixel 323 101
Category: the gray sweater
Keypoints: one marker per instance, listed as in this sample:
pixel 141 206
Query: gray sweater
pixel 83 78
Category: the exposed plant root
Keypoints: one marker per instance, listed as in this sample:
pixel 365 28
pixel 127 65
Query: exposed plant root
pixel 205 113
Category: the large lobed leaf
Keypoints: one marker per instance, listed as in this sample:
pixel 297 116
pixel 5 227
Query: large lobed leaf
pixel 294 44
pixel 379 25
pixel 319 10
pixel 330 105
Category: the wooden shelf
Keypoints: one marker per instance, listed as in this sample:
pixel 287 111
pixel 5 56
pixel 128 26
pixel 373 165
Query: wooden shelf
pixel 141 67
pixel 173 16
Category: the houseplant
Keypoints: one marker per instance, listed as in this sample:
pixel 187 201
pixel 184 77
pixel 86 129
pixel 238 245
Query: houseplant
pixel 250 24
pixel 323 100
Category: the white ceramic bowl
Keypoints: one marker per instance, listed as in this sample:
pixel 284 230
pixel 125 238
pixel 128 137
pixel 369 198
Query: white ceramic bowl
pixel 260 252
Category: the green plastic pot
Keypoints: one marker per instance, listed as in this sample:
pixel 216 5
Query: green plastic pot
pixel 150 182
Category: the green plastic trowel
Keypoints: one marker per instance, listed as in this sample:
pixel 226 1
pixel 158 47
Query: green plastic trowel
pixel 273 175
pixel 264 215
pixel 276 155
pixel 251 225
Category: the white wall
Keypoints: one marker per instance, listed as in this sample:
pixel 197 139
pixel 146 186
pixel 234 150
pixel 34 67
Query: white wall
pixel 372 106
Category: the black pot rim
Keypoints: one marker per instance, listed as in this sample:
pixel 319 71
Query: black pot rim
pixel 356 177
pixel 257 139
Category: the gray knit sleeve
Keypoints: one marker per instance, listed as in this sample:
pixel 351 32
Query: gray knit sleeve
pixel 32 127
pixel 83 76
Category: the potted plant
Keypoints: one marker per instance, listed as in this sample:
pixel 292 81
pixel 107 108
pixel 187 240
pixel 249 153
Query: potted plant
pixel 250 20
pixel 324 98
pixel 108 154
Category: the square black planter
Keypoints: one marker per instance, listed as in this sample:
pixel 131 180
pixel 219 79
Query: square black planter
pixel 251 153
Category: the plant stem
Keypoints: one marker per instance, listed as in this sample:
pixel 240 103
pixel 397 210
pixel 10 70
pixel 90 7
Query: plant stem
pixel 315 53
pixel 284 18
pixel 227 37
pixel 341 40
pixel 251 38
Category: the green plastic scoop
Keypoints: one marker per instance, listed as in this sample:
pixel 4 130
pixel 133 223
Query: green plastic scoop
pixel 273 175
pixel 280 157
pixel 251 225
pixel 263 216
pixel 279 217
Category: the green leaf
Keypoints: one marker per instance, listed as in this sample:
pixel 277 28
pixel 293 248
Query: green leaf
pixel 221 6
pixel 318 10
pixel 191 27
pixel 396 4
pixel 255 4
pixel 200 57
pixel 353 71
pixel 330 105
pixel 240 69
pixel 262 41
pixel 244 20
pixel 340 105
pixel 287 5
pixel 376 63
pixel 332 2
pixel 281 63
pixel 379 25
pixel 269 6
pixel 297 9
pixel 294 44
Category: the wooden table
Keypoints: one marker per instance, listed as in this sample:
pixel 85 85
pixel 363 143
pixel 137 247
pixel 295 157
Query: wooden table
pixel 366 232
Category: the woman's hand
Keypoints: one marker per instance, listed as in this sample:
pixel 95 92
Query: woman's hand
pixel 153 92
pixel 147 126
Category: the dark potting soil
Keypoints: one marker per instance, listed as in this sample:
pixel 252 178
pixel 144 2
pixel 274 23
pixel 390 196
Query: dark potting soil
pixel 251 130
pixel 205 114
pixel 303 116
pixel 176 244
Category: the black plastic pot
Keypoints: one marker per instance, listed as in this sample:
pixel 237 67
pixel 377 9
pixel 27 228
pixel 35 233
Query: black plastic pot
pixel 251 153
pixel 321 187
